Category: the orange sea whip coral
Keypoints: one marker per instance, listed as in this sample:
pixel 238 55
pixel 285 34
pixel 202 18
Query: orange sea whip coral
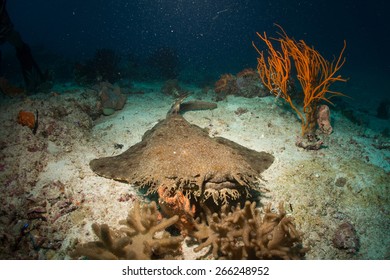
pixel 274 70
pixel 314 73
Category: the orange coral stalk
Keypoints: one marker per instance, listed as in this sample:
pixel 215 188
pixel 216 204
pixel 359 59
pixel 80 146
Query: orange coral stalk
pixel 314 73
pixel 275 71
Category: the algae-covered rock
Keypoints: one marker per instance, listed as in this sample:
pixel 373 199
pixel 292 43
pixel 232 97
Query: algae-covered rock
pixel 111 98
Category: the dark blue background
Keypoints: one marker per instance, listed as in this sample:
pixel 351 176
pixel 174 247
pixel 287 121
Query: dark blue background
pixel 210 35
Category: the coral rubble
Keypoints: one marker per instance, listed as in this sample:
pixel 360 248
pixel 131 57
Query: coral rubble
pixel 137 240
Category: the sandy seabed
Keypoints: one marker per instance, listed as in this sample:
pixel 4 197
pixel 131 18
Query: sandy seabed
pixel 50 197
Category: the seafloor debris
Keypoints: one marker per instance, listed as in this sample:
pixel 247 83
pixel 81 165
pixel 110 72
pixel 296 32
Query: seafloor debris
pixel 52 202
pixel 310 142
pixel 137 240
pixel 247 234
pixel 37 212
pixel 34 229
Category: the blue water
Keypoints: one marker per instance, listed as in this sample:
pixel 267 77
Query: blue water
pixel 208 37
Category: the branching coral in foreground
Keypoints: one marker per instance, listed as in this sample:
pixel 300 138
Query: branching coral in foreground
pixel 135 241
pixel 247 234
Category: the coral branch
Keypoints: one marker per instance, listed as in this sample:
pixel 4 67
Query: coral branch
pixel 274 70
pixel 247 234
pixel 136 241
